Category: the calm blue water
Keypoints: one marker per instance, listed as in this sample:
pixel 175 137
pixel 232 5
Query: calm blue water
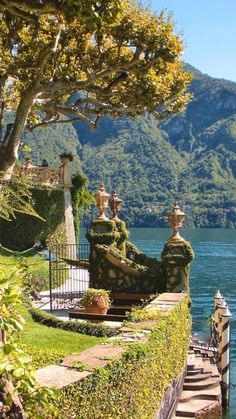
pixel 214 268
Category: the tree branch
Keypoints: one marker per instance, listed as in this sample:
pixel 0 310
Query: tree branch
pixel 56 109
pixel 36 7
pixel 58 121
pixel 67 86
pixel 47 52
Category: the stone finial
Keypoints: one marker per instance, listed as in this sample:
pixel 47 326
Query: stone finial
pixel 102 198
pixel 176 218
pixel 114 204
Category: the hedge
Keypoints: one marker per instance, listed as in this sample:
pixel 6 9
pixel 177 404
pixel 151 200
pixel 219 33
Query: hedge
pixel 86 328
pixel 133 386
pixel 22 232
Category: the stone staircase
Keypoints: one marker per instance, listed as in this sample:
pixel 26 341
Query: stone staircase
pixel 201 395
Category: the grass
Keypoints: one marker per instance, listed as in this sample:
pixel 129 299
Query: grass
pixel 49 338
pixel 37 265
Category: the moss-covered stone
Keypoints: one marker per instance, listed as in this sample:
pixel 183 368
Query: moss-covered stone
pixel 102 232
pixel 176 257
pixel 111 266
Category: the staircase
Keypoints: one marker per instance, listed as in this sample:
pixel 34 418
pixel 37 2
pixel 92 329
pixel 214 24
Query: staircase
pixel 201 395
pixel 121 306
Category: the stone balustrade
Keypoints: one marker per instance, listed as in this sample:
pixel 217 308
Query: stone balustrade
pixel 45 176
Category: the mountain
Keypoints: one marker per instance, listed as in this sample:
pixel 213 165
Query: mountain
pixel 190 157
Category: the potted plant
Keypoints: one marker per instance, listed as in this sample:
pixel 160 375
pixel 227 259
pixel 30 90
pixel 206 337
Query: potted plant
pixel 66 157
pixel 96 301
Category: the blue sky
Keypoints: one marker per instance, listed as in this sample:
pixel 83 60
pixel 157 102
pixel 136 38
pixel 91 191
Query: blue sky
pixel 209 31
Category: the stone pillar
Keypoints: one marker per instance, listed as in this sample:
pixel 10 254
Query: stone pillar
pixel 69 219
pixel 176 258
pixel 100 233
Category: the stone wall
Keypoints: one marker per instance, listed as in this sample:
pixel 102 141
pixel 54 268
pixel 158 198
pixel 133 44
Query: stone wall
pixel 170 399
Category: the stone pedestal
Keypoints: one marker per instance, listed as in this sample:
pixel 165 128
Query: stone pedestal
pixel 176 258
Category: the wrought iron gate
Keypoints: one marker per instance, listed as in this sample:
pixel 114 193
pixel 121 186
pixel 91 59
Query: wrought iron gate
pixel 68 274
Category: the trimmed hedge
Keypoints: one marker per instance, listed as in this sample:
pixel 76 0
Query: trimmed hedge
pixel 86 328
pixel 133 386
pixel 22 232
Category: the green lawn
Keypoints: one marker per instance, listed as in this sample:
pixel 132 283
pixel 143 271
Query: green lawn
pixel 37 265
pixel 44 337
pixel 46 345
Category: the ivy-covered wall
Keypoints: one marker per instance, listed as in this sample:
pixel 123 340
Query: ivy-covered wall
pixel 22 232
pixel 133 386
pixel 117 265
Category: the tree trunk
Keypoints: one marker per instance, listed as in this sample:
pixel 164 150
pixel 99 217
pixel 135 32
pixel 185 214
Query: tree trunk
pixel 14 134
pixel 15 410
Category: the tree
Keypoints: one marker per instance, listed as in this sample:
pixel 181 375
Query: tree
pixel 82 60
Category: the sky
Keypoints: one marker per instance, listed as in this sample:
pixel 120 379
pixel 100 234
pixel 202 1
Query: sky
pixel 209 32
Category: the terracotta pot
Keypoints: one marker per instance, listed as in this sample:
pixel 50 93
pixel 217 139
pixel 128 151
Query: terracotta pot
pixel 98 306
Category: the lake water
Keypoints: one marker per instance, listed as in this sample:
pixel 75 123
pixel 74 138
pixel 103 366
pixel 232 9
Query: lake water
pixel 214 268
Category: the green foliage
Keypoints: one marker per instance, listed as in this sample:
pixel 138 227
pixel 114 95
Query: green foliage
pixel 81 198
pixel 17 375
pixel 35 266
pixel 181 254
pixel 86 328
pixel 67 155
pixel 41 357
pixel 22 232
pixel 102 232
pixel 16 197
pixel 131 394
pixel 139 314
pixel 36 276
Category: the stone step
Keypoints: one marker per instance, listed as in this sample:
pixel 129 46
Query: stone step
pixel 195 371
pixel 201 389
pixel 191 360
pixel 191 408
pixel 202 364
pixel 81 314
pixel 214 371
pixel 204 352
pixel 197 377
pixel 123 309
pixel 201 385
pixel 209 394
pixel 180 416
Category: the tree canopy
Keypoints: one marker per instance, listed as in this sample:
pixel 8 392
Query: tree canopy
pixel 84 59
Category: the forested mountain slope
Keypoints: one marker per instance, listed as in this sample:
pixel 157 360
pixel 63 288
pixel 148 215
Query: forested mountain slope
pixel 190 157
